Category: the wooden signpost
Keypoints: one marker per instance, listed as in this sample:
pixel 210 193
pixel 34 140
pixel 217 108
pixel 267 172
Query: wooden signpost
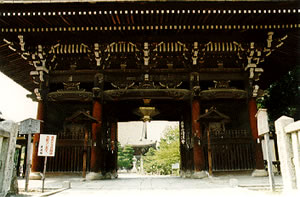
pixel 46 149
pixel 28 127
pixel 263 129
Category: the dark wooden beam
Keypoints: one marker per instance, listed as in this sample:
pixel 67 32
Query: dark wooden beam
pixel 206 74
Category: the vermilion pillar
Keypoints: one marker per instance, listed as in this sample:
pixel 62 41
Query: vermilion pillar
pixel 198 153
pixel 37 162
pixel 96 157
pixel 259 162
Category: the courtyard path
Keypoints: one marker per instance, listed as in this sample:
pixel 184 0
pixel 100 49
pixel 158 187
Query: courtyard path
pixel 241 185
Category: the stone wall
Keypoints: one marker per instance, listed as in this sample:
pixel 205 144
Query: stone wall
pixel 8 135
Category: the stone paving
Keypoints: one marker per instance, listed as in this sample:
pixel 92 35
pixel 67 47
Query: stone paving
pixel 137 185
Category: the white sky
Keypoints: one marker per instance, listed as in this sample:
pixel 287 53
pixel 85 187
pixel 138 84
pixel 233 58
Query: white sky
pixel 130 132
pixel 14 104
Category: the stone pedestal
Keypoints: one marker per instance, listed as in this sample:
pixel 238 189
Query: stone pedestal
pixel 100 176
pixel 186 174
pixel 259 173
pixel 8 135
pixel 199 175
pixel 35 176
pixel 194 175
pixel 94 176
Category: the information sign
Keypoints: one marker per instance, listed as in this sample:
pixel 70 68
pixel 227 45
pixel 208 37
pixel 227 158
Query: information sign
pixel 262 122
pixel 47 145
pixel 29 126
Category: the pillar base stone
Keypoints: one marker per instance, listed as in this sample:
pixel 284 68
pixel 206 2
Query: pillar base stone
pixel 101 176
pixel 114 174
pixel 199 175
pixel 35 176
pixel 108 175
pixel 186 174
pixel 94 176
pixel 259 173
pixel 193 175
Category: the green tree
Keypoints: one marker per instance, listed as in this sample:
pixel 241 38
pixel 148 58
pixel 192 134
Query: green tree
pixel 150 166
pixel 160 161
pixel 283 96
pixel 125 157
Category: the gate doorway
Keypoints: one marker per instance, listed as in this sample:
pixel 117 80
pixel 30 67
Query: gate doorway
pixel 145 141
pixel 232 148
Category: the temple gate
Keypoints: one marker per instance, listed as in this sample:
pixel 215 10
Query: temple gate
pixel 108 59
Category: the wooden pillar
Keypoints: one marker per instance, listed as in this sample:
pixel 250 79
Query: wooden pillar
pixel 37 162
pixel 86 136
pixel 182 147
pixel 96 156
pixel 114 148
pixel 187 146
pixel 198 153
pixel 259 162
pixel 209 153
pixel 106 151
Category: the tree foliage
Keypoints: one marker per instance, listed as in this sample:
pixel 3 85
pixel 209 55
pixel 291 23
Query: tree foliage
pixel 125 157
pixel 283 96
pixel 160 161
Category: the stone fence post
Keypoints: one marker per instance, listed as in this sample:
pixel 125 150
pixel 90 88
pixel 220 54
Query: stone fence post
pixel 8 135
pixel 293 130
pixel 288 136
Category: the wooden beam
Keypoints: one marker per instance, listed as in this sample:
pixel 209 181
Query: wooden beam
pixel 206 74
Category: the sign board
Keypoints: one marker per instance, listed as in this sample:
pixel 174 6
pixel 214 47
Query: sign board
pixel 47 145
pixel 262 122
pixel 30 126
pixel 175 166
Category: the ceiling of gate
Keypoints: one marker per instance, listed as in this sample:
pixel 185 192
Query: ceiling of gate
pixel 220 28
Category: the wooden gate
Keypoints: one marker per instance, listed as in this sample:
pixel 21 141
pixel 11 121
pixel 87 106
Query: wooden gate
pixel 69 153
pixel 232 150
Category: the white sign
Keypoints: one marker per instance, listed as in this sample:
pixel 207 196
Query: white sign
pixel 175 166
pixel 262 122
pixel 47 145
pixel 29 126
